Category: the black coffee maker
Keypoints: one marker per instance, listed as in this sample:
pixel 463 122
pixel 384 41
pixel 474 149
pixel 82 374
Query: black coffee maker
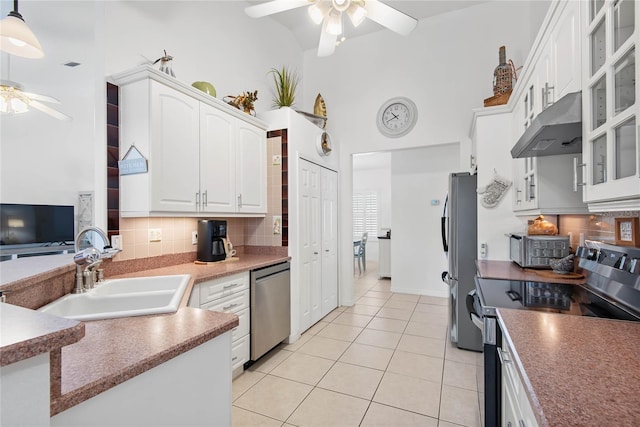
pixel 210 240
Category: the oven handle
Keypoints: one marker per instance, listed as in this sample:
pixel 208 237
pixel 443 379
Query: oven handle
pixel 475 318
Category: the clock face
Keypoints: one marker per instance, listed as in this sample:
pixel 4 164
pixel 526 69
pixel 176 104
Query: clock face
pixel 397 117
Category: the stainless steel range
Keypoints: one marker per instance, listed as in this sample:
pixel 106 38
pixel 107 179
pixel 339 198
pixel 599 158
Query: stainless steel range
pixel 611 290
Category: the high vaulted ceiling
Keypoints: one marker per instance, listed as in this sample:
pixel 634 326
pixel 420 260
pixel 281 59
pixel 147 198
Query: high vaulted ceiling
pixel 308 34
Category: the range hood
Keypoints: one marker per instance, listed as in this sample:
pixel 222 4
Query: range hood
pixel 556 130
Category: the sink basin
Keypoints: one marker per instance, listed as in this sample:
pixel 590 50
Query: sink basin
pixel 137 296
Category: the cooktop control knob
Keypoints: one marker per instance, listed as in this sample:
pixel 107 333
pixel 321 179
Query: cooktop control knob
pixel 633 266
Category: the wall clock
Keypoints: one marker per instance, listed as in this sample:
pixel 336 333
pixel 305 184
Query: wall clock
pixel 324 144
pixel 397 117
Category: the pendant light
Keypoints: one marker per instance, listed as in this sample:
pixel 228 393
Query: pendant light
pixel 16 38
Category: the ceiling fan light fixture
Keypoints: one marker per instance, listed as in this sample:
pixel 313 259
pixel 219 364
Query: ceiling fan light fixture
pixel 341 5
pixel 16 38
pixel 334 23
pixel 317 13
pixel 356 14
pixel 12 101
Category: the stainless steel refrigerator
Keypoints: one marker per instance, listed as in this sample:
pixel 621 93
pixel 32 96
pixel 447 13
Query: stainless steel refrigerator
pixel 460 241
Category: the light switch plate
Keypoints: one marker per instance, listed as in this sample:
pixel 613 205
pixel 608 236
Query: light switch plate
pixel 276 159
pixel 155 235
pixel 116 241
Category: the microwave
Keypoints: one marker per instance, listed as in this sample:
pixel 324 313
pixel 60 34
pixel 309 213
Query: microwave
pixel 536 251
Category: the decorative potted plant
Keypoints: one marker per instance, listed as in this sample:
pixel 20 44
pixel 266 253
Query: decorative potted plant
pixel 286 83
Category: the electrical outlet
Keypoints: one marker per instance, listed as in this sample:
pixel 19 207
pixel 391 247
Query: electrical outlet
pixel 194 237
pixel 155 234
pixel 116 241
pixel 483 250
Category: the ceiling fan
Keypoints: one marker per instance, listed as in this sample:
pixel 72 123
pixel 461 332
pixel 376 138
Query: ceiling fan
pixel 13 100
pixel 329 13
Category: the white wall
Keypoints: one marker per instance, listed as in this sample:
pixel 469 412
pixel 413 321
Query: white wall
pixel 44 160
pixel 493 137
pixel 419 176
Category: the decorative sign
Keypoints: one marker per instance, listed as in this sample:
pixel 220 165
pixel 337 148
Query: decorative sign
pixel 133 162
pixel 627 233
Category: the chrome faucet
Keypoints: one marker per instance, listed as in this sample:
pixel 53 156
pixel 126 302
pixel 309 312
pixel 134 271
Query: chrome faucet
pixel 89 274
pixel 84 231
pixel 89 259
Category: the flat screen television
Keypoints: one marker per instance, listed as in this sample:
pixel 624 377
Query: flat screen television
pixel 34 225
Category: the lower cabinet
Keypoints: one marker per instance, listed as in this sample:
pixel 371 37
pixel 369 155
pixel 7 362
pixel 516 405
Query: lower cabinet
pixel 229 294
pixel 516 409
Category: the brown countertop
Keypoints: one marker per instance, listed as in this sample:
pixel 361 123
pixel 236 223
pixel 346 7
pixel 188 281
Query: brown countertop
pixel 115 350
pixel 25 333
pixel 509 270
pixel 579 371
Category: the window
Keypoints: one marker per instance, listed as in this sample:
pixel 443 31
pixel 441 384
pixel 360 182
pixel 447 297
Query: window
pixel 365 214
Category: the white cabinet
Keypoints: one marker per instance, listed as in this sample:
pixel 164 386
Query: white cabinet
pixel 610 138
pixel 318 242
pixel 204 157
pixel 251 169
pixel 554 67
pixel 516 408
pixel 233 164
pixel 547 185
pixel 229 294
pixel 384 257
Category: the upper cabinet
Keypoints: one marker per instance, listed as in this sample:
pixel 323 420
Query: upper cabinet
pixel 547 185
pixel 552 70
pixel 204 157
pixel 610 138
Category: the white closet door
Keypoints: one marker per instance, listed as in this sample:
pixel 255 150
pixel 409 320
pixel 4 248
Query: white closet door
pixel 310 244
pixel 329 186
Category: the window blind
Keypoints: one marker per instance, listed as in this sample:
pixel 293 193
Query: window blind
pixel 365 214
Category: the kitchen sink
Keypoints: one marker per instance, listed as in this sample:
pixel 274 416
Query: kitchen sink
pixel 137 296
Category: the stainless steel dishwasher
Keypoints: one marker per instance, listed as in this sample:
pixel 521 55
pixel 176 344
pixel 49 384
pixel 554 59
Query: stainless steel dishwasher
pixel 270 308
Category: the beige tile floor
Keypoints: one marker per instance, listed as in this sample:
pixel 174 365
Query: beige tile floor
pixel 386 361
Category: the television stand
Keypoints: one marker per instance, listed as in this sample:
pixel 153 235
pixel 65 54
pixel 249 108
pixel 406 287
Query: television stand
pixel 15 253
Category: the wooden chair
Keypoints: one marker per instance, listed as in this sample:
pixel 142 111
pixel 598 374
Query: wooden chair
pixel 360 253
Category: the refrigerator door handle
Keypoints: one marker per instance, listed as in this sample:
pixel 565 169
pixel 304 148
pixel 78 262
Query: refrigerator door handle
pixel 443 226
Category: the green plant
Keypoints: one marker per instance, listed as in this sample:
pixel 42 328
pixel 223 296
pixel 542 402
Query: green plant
pixel 286 83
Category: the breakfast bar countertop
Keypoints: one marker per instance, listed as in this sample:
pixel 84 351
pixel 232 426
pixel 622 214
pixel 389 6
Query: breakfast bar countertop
pixel 577 370
pixel 25 333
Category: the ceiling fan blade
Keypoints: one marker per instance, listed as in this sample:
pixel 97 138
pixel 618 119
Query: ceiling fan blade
pixel 44 98
pixel 327 43
pixel 50 111
pixel 391 18
pixel 274 6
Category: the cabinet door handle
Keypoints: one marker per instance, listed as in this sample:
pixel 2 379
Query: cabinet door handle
pixel 198 200
pixel 521 423
pixel 233 285
pixel 577 183
pixel 234 358
pixel 227 307
pixel 204 198
pixel 240 200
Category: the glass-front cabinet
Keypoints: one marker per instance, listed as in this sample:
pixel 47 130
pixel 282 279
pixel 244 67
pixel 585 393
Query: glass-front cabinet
pixel 610 135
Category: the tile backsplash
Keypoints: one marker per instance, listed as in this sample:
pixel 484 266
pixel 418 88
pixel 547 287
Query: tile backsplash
pixel 597 226
pixel 176 232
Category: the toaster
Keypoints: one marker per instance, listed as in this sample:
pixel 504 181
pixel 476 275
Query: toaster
pixel 536 251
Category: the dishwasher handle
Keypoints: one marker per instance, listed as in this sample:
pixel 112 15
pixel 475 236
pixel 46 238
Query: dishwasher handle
pixel 270 270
